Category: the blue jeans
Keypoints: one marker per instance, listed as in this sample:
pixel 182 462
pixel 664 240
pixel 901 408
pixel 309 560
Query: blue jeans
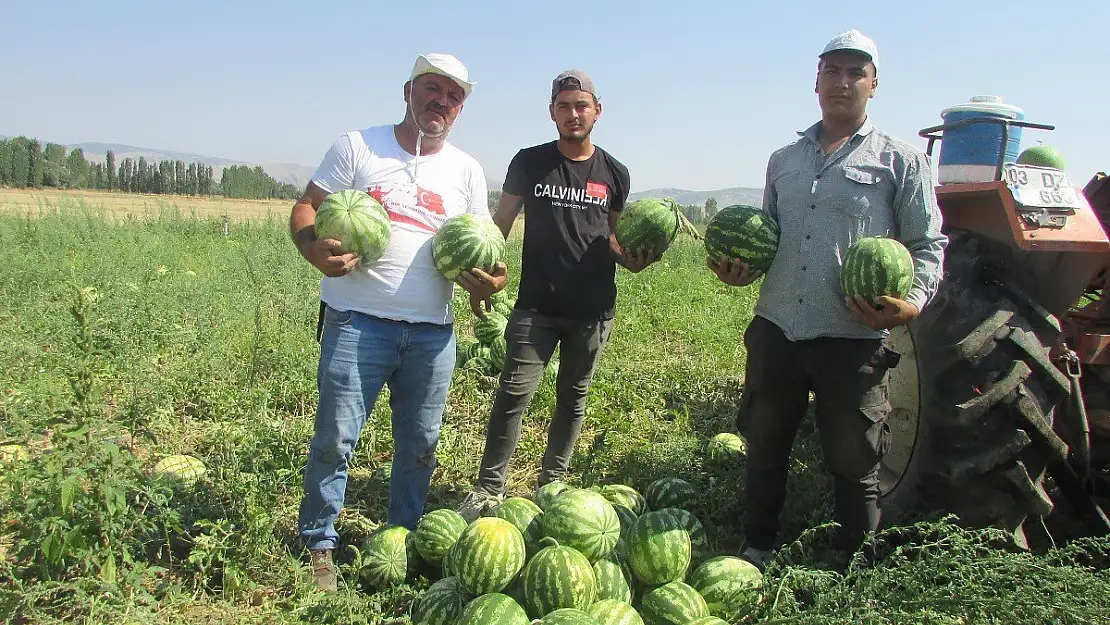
pixel 360 354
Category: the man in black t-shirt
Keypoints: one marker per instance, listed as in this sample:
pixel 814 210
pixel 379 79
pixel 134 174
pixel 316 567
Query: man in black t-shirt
pixel 572 192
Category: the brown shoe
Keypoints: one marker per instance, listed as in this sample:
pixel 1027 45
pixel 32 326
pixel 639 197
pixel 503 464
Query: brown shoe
pixel 323 570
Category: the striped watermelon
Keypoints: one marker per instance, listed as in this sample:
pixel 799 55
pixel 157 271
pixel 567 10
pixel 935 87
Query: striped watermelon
pixel 627 519
pixel 491 328
pixel 436 532
pixel 466 242
pixel 442 603
pixel 357 221
pixel 558 577
pixel 726 449
pixel 501 297
pixel 584 520
pixel 708 620
pixel 614 580
pixel 490 552
pixel 669 492
pixel 658 550
pixel 526 516
pixel 743 232
pixel 672 604
pixel 178 470
pixel 465 350
pixel 651 224
pixel 546 494
pixel 876 266
pixel 497 351
pixel 730 586
pixel 503 308
pixel 385 557
pixel 493 609
pixel 448 561
pixel 621 494
pixel 612 612
pixel 699 541
pixel 567 616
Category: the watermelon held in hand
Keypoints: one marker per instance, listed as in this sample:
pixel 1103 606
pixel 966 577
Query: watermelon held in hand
pixel 357 221
pixel 179 470
pixel 488 555
pixel 466 242
pixel 743 232
pixel 651 225
pixel 441 603
pixel 385 557
pixel 877 266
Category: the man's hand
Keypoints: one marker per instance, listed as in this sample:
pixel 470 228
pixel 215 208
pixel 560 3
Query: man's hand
pixel 482 285
pixel 886 313
pixel 636 261
pixel 734 272
pixel 325 256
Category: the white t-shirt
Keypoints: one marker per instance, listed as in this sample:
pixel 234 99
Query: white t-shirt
pixel 403 284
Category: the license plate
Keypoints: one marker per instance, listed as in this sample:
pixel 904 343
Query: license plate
pixel 1040 187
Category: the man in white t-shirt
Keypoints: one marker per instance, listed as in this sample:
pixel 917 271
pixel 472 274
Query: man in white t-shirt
pixel 389 321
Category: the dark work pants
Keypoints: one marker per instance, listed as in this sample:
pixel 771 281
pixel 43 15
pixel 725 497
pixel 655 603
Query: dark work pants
pixel 532 339
pixel 849 380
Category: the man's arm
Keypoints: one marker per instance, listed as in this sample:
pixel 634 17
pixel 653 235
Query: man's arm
pixel 508 208
pixel 321 253
pixel 919 222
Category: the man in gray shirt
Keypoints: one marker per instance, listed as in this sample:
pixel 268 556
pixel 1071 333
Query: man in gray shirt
pixel 842 180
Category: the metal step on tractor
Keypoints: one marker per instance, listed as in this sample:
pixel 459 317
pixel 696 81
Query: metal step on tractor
pixel 1002 396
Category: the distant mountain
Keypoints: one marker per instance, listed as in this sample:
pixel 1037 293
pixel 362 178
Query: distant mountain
pixel 724 197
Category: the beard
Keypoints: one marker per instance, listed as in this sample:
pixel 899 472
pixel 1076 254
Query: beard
pixel 577 135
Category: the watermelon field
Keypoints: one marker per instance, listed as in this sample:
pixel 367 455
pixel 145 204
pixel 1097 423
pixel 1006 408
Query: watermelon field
pixel 127 340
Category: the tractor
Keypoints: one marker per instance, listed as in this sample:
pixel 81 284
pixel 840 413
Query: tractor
pixel 1001 400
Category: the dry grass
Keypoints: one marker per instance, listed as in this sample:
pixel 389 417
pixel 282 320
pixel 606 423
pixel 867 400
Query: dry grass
pixel 137 205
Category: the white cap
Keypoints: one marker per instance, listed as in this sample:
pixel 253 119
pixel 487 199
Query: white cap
pixel 854 41
pixel 444 65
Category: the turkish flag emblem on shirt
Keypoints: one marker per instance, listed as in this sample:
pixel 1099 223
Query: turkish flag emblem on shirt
pixel 597 189
pixel 430 200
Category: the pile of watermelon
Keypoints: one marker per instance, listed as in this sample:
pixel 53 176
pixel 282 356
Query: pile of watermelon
pixel 605 555
pixel 485 352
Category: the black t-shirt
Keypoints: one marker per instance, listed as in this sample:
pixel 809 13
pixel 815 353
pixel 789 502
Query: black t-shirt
pixel 568 268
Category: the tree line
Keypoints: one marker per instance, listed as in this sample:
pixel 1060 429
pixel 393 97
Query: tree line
pixel 26 163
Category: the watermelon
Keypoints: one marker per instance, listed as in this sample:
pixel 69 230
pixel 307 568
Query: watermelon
pixel 612 612
pixel 1041 156
pixel 526 516
pixel 503 308
pixel 708 620
pixel 699 541
pixel 448 560
pixel 466 242
pixel 558 577
pixel 669 492
pixel 492 328
pixel 614 580
pixel 497 351
pixel 490 553
pixel 500 297
pixel 546 494
pixel 493 609
pixel 743 232
pixel 658 549
pixel 441 603
pixel 627 519
pixel 876 266
pixel 651 225
pixel 357 221
pixel 436 532
pixel 726 449
pixel 464 351
pixel 179 470
pixel 584 520
pixel 621 494
pixel 674 603
pixel 567 616
pixel 730 586
pixel 385 557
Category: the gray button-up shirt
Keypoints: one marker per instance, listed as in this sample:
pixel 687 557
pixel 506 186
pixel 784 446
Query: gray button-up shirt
pixel 873 185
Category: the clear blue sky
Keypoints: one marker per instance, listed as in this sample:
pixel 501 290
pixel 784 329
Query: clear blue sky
pixel 695 94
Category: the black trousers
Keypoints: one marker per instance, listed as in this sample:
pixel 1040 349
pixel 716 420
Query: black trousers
pixel 849 380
